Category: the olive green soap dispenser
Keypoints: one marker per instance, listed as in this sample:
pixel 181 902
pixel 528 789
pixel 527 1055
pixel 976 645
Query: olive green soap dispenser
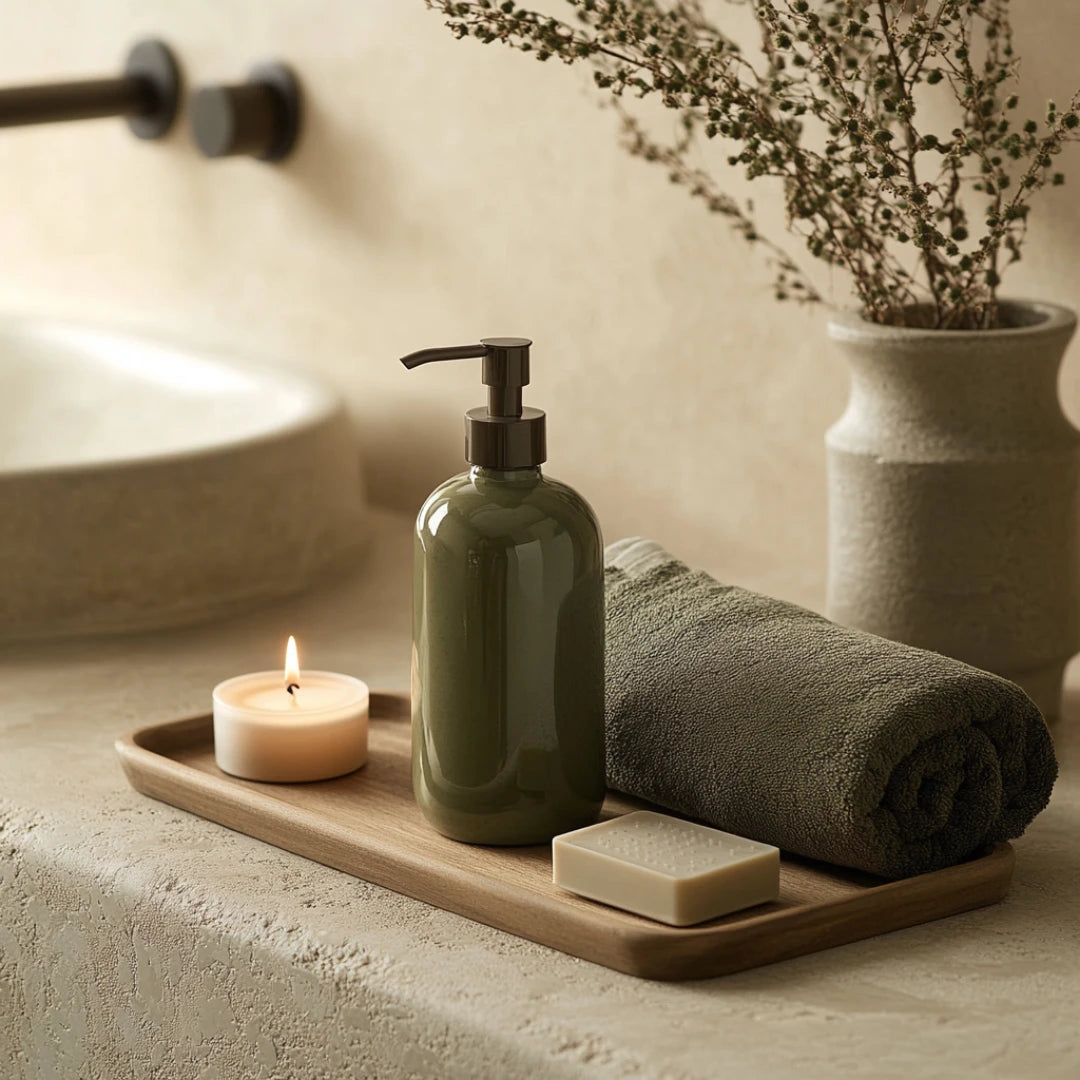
pixel 508 629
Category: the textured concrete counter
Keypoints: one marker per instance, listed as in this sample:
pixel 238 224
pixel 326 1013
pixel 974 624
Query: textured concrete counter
pixel 139 941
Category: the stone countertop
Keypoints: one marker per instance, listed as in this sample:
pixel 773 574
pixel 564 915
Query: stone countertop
pixel 139 941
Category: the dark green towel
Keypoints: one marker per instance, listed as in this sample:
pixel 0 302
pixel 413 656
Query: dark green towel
pixel 767 720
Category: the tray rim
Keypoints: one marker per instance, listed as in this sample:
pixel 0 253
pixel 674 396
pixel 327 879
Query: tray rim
pixel 629 947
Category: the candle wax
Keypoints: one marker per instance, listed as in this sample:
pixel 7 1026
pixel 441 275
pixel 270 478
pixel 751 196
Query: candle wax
pixel 314 694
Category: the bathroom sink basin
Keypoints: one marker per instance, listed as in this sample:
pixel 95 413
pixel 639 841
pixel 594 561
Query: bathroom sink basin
pixel 145 485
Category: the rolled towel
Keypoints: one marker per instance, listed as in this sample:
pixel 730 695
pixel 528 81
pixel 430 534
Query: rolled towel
pixel 767 720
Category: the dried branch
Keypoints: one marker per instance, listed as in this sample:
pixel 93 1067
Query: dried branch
pixel 833 109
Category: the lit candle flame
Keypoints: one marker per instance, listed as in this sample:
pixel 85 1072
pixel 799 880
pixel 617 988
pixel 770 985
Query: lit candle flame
pixel 292 666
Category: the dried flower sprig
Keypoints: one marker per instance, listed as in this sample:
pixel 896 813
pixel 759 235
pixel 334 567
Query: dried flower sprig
pixel 836 108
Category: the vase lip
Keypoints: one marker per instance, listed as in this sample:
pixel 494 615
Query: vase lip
pixel 1046 319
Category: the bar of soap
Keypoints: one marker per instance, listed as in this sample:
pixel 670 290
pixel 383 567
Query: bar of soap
pixel 665 868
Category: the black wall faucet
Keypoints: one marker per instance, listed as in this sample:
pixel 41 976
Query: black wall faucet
pixel 146 94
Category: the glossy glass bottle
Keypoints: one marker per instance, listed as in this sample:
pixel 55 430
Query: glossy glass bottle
pixel 508 631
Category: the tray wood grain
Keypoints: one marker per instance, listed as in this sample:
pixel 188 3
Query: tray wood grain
pixel 367 824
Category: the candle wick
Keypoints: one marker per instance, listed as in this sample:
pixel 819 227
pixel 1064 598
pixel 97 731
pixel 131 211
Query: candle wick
pixel 292 687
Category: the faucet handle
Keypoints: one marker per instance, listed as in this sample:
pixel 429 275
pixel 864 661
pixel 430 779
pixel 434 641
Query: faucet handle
pixel 259 118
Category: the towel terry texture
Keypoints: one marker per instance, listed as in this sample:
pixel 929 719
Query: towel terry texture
pixel 767 720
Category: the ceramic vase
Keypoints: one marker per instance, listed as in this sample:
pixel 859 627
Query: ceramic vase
pixel 954 522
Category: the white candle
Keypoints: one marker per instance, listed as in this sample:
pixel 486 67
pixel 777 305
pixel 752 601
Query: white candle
pixel 284 727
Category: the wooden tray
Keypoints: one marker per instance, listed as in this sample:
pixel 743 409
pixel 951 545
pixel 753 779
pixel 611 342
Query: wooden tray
pixel 368 825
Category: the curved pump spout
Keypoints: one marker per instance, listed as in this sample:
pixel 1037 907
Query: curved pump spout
pixel 506 369
pixel 505 435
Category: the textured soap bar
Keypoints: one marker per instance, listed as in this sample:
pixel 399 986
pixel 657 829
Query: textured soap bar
pixel 667 869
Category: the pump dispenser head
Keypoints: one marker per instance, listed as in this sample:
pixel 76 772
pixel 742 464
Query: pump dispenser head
pixel 505 434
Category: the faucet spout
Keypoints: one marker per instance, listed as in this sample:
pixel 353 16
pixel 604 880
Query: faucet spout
pixel 146 93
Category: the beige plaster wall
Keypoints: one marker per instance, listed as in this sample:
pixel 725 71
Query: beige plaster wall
pixel 446 191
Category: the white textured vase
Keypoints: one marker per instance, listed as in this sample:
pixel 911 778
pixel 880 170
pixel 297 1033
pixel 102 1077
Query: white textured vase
pixel 954 520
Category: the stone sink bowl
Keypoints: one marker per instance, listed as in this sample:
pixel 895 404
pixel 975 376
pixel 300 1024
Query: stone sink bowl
pixel 144 485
